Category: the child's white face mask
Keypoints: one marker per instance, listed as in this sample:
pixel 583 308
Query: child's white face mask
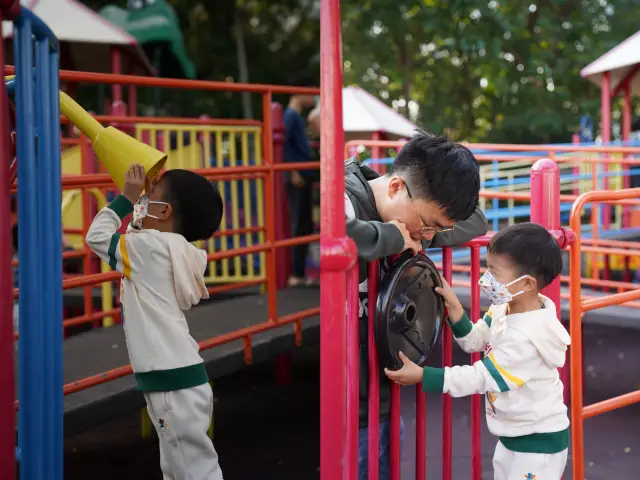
pixel 498 293
pixel 141 210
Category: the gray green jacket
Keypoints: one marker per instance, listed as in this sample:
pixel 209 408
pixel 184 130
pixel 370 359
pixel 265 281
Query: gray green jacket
pixel 378 240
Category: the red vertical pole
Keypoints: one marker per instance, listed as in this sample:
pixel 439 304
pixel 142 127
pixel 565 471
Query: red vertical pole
pixel 575 139
pixel 116 68
pixel 626 136
pixel 605 101
pixel 545 210
pixel 283 220
pixel 394 433
pixel 476 400
pixel 337 254
pixel 373 283
pixel 447 360
pixel 421 433
pixel 7 397
pixel 269 206
pixel 375 155
pixel 353 369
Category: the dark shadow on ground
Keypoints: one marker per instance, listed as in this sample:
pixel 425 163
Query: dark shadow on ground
pixel 267 432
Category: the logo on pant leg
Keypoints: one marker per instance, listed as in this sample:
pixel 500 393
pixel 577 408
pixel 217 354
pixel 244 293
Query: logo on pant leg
pixel 163 427
pixel 529 476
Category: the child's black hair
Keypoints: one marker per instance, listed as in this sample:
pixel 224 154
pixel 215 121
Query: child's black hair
pixel 531 249
pixel 441 171
pixel 197 205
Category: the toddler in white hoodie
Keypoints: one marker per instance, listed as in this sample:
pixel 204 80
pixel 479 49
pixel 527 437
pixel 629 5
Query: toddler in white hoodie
pixel 524 344
pixel 163 275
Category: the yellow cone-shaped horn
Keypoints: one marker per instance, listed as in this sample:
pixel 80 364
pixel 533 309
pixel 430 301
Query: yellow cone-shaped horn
pixel 116 150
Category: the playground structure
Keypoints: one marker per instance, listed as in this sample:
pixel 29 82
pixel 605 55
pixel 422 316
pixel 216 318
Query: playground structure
pixel 45 446
pixel 339 276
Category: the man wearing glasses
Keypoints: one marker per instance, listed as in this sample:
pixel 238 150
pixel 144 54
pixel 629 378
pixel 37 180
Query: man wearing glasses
pixel 428 199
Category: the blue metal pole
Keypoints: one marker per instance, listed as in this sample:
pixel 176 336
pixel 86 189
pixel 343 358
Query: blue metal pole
pixel 55 214
pixel 31 420
pixel 48 251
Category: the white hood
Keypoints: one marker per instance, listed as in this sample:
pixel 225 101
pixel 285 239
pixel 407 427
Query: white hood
pixel 545 331
pixel 188 264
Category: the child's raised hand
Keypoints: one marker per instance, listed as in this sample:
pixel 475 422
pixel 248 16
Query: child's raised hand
pixel 135 180
pixel 451 301
pixel 409 374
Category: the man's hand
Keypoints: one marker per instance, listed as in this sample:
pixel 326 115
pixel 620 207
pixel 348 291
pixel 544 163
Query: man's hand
pixel 135 181
pixel 296 179
pixel 409 374
pixel 409 243
pixel 454 307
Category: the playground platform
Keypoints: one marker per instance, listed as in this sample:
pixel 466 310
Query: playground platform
pixel 99 350
pixel 280 424
pixel 103 349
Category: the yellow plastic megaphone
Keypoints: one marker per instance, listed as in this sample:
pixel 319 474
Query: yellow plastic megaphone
pixel 116 150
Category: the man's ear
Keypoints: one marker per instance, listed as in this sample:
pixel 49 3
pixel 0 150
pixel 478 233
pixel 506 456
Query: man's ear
pixel 395 186
pixel 165 212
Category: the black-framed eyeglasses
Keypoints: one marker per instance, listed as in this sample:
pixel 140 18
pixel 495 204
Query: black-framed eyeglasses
pixel 424 229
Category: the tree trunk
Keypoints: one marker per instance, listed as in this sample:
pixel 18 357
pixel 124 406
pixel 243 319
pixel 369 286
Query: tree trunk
pixel 243 67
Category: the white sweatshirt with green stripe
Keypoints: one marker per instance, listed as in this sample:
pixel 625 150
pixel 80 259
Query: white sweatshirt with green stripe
pixel 519 376
pixel 162 275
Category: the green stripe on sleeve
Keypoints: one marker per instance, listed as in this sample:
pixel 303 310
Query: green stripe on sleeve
pixel 113 246
pixel 121 206
pixel 502 385
pixel 487 319
pixel 462 327
pixel 432 379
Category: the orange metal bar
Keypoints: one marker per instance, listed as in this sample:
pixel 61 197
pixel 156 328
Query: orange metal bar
pixel 504 147
pixel 119 372
pixel 175 120
pixel 611 404
pixel 577 308
pixel 610 300
pixel 114 79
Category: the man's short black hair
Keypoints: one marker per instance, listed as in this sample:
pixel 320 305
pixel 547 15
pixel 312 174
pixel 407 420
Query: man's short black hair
pixel 441 171
pixel 531 249
pixel 197 205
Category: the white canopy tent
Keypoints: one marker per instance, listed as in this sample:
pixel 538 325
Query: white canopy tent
pixel 364 116
pixel 622 63
pixel 87 39
pixel 616 72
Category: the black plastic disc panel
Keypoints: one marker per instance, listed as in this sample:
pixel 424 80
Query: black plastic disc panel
pixel 409 313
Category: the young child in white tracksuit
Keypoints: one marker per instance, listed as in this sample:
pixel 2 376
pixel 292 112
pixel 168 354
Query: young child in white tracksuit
pixel 524 344
pixel 163 275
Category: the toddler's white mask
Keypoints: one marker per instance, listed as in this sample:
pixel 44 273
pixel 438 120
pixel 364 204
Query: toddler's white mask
pixel 498 293
pixel 141 210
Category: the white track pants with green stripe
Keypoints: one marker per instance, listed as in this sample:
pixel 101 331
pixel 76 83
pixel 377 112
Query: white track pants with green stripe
pixel 508 465
pixel 182 418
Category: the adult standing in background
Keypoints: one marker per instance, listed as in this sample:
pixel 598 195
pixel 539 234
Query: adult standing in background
pixel 299 182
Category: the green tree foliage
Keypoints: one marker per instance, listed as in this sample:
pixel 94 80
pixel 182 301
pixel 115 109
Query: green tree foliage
pixel 484 69
pixel 480 70
pixel 280 39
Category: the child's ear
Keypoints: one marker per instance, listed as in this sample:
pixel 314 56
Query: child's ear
pixel 530 284
pixel 165 212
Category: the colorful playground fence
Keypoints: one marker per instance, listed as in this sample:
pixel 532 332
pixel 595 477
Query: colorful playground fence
pixel 505 200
